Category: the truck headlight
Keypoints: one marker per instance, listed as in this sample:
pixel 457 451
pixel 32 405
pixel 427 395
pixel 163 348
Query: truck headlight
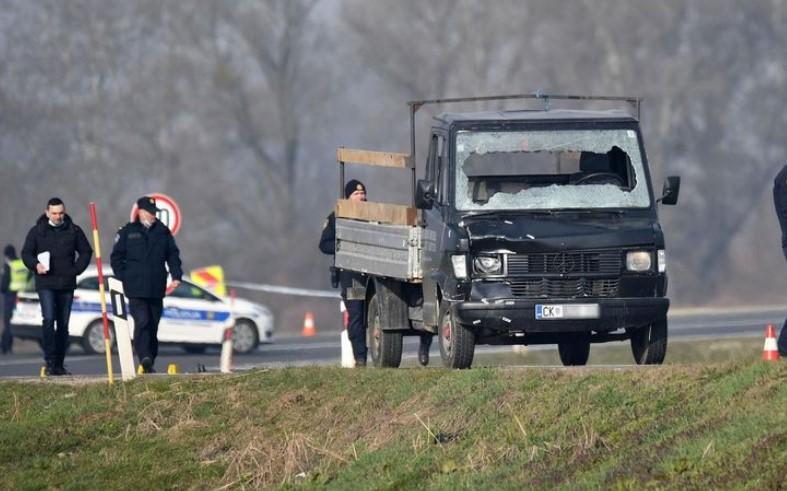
pixel 661 259
pixel 459 262
pixel 638 261
pixel 488 265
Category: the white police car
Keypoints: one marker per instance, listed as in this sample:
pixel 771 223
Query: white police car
pixel 193 318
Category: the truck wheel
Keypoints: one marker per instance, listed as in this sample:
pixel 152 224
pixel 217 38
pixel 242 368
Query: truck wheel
pixel 649 343
pixel 93 337
pixel 385 346
pixel 574 349
pixel 457 342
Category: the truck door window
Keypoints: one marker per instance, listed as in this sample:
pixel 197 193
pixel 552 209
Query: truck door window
pixel 430 159
pixel 440 178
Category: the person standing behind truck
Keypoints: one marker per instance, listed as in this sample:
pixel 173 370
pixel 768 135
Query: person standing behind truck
pixel 780 202
pixel 353 284
pixel 57 251
pixel 141 249
pixel 15 279
pixel 354 287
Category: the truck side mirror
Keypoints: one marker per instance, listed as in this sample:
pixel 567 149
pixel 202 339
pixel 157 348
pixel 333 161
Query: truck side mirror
pixel 669 195
pixel 425 194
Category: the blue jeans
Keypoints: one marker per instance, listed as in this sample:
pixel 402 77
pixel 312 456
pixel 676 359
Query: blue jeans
pixel 782 342
pixel 56 309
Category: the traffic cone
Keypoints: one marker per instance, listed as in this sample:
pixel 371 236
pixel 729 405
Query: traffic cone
pixel 348 360
pixel 308 325
pixel 770 352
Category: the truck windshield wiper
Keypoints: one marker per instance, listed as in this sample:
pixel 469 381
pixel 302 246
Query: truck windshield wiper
pixel 589 212
pixel 501 213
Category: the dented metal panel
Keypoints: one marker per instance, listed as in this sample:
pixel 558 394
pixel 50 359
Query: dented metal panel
pixel 384 250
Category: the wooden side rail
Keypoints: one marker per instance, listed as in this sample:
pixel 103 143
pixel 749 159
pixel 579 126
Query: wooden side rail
pixel 376 212
pixel 369 157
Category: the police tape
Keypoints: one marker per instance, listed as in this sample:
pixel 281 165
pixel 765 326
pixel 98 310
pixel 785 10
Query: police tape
pixel 286 290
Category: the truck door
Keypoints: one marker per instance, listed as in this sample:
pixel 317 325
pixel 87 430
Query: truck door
pixel 435 230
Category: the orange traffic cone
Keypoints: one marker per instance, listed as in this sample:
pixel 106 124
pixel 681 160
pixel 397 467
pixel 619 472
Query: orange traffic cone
pixel 770 352
pixel 308 325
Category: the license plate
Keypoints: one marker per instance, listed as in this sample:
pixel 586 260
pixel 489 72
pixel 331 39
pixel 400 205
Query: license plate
pixel 567 311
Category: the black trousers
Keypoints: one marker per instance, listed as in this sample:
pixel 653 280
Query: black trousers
pixel 9 304
pixel 55 309
pixel 356 327
pixel 146 313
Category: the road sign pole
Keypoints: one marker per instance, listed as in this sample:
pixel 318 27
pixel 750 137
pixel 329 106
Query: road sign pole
pixel 97 247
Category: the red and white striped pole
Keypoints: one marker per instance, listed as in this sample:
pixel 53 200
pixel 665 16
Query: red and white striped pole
pixel 97 247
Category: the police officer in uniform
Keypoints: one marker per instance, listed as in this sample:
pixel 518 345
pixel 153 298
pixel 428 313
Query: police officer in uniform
pixel 354 287
pixel 16 278
pixel 56 236
pixel 780 202
pixel 138 258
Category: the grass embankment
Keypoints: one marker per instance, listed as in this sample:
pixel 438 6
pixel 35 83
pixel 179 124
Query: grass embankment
pixel 719 426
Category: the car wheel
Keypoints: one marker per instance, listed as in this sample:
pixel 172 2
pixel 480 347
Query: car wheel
pixel 574 349
pixel 244 336
pixel 649 343
pixel 385 347
pixel 457 342
pixel 93 337
pixel 194 349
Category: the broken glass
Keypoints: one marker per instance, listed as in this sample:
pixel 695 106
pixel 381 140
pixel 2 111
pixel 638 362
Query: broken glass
pixel 534 170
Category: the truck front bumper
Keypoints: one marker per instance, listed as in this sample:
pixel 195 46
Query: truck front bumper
pixel 520 314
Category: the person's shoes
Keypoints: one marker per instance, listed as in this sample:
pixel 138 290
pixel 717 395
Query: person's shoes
pixel 423 354
pixel 56 371
pixel 360 363
pixel 147 365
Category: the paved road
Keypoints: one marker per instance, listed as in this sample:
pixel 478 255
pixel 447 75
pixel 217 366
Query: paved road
pixel 324 348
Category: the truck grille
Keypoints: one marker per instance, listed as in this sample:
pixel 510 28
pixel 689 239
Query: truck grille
pixel 567 262
pixel 564 287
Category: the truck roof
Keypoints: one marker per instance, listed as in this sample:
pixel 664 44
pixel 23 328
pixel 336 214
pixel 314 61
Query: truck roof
pixel 529 115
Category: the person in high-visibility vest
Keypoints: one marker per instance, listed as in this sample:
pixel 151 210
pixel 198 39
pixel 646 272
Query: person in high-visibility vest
pixel 15 279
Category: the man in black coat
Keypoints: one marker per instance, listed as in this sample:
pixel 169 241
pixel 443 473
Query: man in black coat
pixel 354 287
pixel 57 251
pixel 780 202
pixel 138 258
pixel 353 284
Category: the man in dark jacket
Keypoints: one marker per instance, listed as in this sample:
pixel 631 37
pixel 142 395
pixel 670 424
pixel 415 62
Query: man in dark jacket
pixel 57 251
pixel 142 248
pixel 354 287
pixel 780 202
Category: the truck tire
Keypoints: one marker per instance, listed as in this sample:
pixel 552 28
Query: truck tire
pixel 649 343
pixel 93 337
pixel 385 347
pixel 457 342
pixel 574 349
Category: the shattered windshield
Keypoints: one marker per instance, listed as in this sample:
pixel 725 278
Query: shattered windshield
pixel 537 170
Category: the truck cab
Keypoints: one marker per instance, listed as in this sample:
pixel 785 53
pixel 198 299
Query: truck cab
pixel 536 227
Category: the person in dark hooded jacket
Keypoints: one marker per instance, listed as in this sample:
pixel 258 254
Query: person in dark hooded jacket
pixel 780 203
pixel 141 250
pixel 69 255
pixel 353 287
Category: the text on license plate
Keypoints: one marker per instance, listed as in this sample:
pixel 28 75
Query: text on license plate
pixel 567 311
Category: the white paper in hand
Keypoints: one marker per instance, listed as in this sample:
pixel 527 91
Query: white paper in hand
pixel 43 258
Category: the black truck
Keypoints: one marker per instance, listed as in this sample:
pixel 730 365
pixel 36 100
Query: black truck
pixel 533 226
